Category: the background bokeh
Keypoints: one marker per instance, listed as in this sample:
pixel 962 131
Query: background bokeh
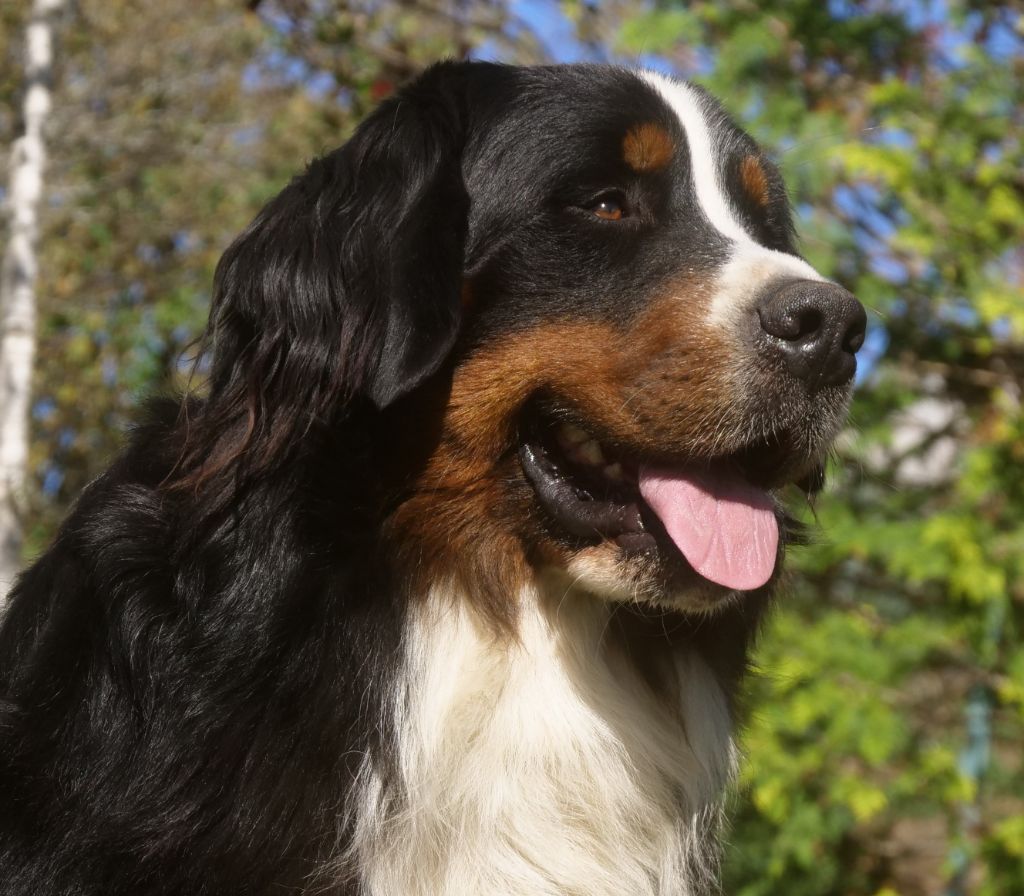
pixel 885 741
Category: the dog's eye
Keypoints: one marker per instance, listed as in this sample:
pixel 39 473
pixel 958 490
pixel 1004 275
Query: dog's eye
pixel 609 207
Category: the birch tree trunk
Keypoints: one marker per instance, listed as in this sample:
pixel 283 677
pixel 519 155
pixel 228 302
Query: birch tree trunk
pixel 17 284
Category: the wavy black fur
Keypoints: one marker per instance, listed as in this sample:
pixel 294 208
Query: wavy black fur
pixel 191 672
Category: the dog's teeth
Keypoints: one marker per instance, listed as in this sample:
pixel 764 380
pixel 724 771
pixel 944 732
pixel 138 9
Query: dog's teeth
pixel 572 435
pixel 590 452
pixel 614 471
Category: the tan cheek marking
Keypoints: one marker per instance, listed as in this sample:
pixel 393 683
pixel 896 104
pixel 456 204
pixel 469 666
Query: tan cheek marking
pixel 647 147
pixel 754 180
pixel 659 385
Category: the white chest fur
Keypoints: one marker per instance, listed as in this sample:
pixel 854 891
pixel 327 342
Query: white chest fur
pixel 545 766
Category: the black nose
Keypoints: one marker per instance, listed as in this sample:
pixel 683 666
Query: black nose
pixel 818 327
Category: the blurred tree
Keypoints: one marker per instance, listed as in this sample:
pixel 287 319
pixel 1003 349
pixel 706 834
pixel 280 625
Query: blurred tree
pixel 898 125
pixel 18 280
pixel 152 175
pixel 12 80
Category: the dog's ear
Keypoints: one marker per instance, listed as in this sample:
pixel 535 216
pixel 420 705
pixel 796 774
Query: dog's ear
pixel 358 260
pixel 346 286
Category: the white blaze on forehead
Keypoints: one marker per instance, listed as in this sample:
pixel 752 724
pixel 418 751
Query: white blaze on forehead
pixel 751 264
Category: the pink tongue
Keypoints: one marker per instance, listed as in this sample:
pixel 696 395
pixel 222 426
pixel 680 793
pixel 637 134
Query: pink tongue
pixel 724 526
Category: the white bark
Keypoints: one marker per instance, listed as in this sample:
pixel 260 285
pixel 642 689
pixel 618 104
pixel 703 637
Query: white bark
pixel 17 284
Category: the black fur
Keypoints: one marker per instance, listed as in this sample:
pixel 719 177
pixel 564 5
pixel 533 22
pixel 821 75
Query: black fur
pixel 191 671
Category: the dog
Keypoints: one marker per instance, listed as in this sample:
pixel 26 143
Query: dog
pixel 447 583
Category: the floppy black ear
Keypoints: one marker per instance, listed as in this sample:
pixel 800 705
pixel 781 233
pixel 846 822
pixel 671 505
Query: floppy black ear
pixel 347 284
pixel 353 272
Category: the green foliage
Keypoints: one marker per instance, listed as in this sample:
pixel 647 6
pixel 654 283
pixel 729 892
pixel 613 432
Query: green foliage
pixel 900 135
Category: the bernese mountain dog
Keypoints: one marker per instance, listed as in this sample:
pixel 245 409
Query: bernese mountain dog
pixel 446 583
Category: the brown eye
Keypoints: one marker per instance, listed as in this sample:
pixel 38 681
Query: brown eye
pixel 608 208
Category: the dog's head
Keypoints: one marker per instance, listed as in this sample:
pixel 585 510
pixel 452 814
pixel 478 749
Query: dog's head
pixel 577 289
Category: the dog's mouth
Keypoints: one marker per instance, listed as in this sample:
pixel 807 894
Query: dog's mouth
pixel 717 515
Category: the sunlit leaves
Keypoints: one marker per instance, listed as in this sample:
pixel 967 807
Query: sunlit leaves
pixel 899 131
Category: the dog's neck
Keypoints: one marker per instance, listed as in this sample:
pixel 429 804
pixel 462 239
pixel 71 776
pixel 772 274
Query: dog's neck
pixel 547 763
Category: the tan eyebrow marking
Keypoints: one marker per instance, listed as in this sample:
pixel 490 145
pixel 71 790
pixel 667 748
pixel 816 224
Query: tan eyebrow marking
pixel 754 180
pixel 647 147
